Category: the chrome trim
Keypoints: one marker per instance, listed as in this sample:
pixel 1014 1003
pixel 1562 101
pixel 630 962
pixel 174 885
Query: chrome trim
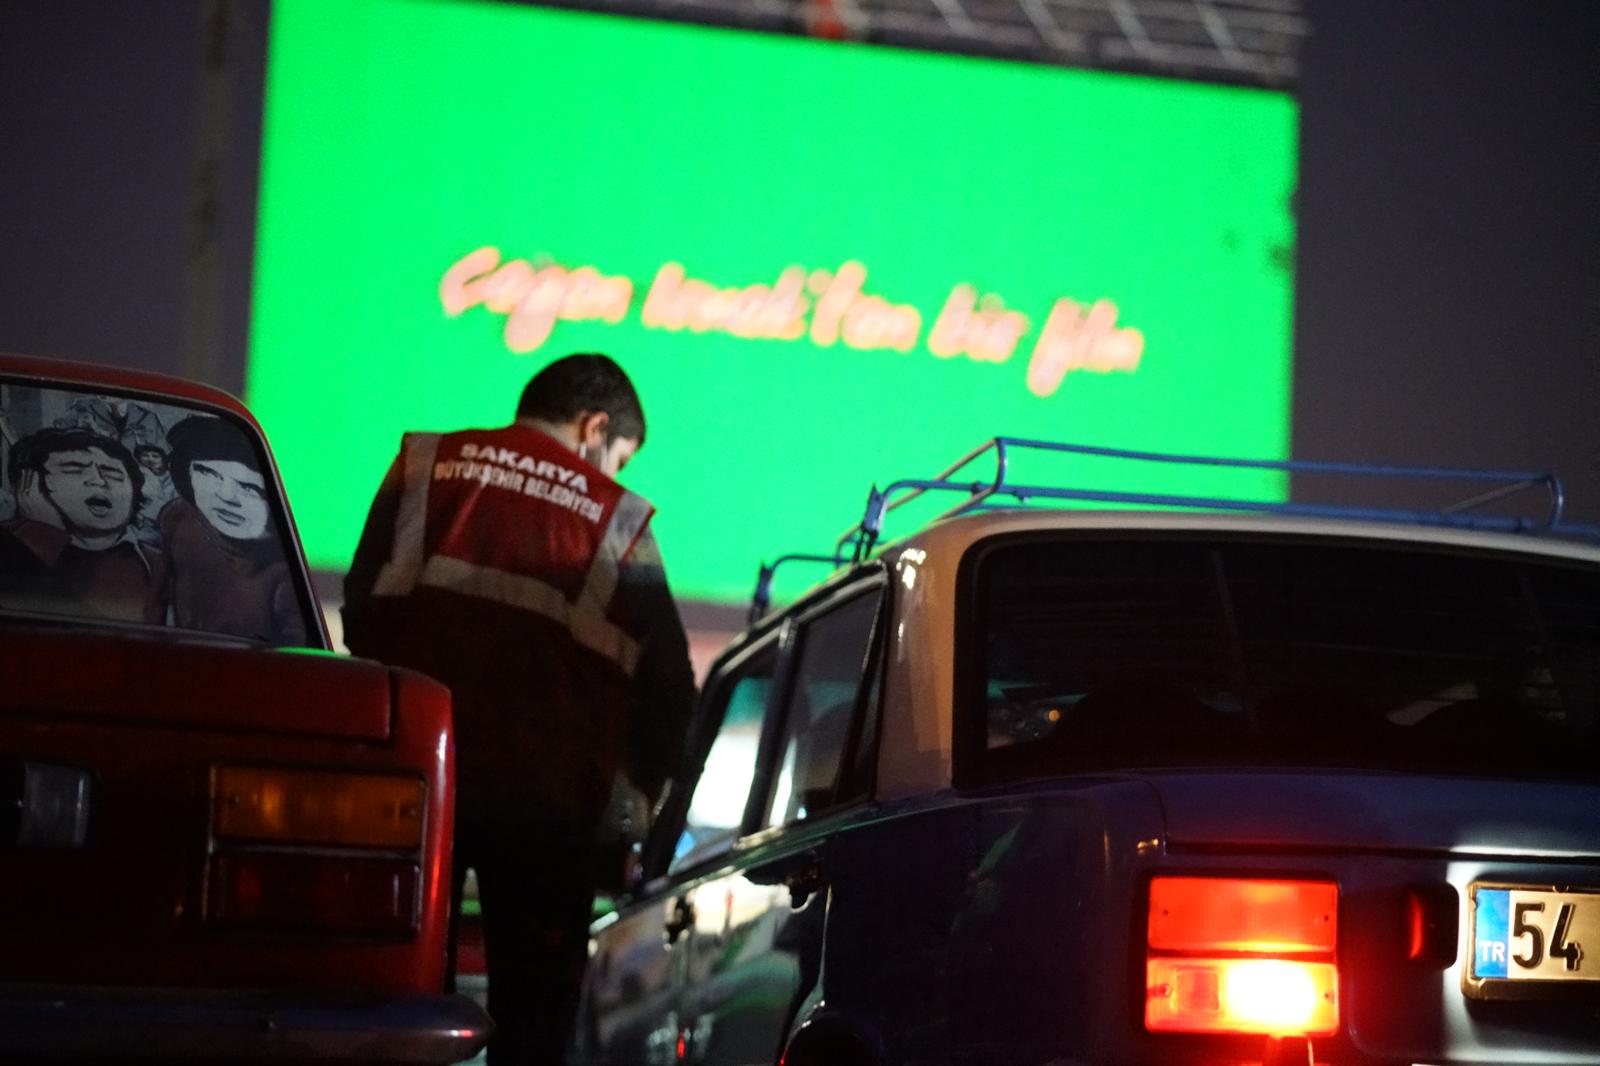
pixel 74 1024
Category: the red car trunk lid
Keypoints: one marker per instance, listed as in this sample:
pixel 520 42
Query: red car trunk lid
pixel 155 679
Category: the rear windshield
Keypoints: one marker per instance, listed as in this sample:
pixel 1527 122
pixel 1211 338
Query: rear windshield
pixel 1155 651
pixel 128 510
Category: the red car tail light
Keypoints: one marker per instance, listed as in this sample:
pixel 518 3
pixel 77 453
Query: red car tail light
pixel 1235 955
pixel 290 806
pixel 309 892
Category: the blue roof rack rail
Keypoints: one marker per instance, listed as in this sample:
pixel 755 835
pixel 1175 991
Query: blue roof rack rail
pixel 1502 484
pixel 761 599
pixel 1493 485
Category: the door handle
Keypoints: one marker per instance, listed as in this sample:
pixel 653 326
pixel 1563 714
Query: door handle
pixel 679 918
pixel 804 880
pixel 801 873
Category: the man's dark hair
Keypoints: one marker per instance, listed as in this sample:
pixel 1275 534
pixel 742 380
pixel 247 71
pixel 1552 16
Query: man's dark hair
pixel 201 437
pixel 34 450
pixel 583 382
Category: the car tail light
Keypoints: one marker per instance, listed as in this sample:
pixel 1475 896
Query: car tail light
pixel 1234 955
pixel 312 892
pixel 291 806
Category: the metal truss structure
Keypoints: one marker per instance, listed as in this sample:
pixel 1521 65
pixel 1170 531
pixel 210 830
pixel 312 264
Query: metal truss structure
pixel 1240 42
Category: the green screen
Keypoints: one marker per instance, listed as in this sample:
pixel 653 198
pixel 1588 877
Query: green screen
pixel 823 264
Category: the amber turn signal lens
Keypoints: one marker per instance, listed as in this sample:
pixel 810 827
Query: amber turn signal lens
pixel 289 806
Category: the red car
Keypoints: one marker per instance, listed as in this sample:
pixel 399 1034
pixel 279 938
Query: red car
pixel 218 840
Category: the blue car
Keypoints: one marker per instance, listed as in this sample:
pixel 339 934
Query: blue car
pixel 1069 787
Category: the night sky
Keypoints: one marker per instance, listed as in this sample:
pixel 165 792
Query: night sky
pixel 1448 296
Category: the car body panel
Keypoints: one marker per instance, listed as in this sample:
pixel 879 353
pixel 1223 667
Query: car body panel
pixel 952 976
pixel 149 836
pixel 198 683
pixel 754 950
pixel 635 980
pixel 1382 812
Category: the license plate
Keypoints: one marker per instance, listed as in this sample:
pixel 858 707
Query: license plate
pixel 1525 938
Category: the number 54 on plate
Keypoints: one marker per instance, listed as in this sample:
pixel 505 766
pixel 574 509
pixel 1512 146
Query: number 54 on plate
pixel 1532 934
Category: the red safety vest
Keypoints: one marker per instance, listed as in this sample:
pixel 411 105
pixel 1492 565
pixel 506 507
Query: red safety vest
pixel 501 581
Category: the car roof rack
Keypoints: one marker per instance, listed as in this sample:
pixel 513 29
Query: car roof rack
pixel 857 542
pixel 761 598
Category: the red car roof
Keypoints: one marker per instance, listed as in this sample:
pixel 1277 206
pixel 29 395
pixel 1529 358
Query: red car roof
pixel 121 379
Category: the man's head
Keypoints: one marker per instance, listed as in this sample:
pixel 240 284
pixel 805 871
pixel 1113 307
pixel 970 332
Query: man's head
pixel 592 396
pixel 215 468
pixel 83 481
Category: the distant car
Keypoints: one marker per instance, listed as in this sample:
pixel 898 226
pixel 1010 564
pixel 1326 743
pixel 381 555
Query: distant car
pixel 219 842
pixel 1049 786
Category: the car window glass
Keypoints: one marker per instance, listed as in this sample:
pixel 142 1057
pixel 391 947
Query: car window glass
pixel 1145 652
pixel 716 807
pixel 130 510
pixel 819 710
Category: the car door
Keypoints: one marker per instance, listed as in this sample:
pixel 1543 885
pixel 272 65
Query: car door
pixel 755 941
pixel 631 1009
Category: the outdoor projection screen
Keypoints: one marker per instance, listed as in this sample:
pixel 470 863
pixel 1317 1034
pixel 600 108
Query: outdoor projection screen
pixel 824 264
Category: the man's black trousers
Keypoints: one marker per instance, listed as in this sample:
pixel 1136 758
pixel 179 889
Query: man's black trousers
pixel 536 889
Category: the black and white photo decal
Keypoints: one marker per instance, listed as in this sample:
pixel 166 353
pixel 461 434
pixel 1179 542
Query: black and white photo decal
pixel 124 510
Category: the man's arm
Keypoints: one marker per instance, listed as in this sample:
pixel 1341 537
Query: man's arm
pixel 373 550
pixel 663 684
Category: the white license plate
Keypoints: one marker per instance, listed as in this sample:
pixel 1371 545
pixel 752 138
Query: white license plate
pixel 1532 935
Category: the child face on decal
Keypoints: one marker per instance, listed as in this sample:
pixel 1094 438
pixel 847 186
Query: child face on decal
pixel 151 458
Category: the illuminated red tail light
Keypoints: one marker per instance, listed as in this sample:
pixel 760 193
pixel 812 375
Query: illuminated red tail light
pixel 314 893
pixel 1235 955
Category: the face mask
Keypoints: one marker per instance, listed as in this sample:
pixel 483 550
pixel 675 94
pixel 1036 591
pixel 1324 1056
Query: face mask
pixel 596 457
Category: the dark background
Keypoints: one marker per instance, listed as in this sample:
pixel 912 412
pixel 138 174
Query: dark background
pixel 1448 296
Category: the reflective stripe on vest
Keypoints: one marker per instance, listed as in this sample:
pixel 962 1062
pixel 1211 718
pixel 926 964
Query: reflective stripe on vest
pixel 627 522
pixel 586 619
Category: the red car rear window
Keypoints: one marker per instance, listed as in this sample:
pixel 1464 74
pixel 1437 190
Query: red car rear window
pixel 131 510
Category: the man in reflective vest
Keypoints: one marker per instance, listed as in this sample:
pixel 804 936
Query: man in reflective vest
pixel 510 565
